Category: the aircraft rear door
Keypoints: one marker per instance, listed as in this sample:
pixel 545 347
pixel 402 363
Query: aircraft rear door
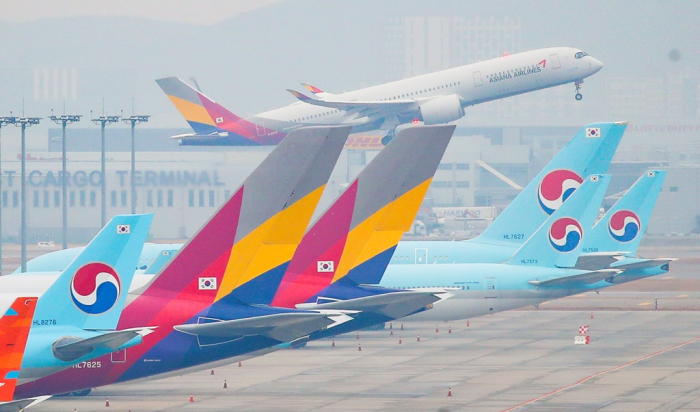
pixel 554 58
pixel 421 256
pixel 260 128
pixel 490 288
pixel 477 79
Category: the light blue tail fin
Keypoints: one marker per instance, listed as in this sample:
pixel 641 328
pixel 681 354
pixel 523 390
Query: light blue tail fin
pixel 163 257
pixel 589 152
pixel 91 292
pixel 621 229
pixel 559 241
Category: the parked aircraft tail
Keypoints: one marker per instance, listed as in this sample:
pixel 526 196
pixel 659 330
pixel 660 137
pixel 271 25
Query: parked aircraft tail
pixel 589 152
pixel 559 240
pixel 92 291
pixel 355 238
pixel 14 327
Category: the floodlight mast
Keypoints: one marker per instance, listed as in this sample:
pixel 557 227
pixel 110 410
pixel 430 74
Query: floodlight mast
pixel 24 122
pixel 134 120
pixel 103 121
pixel 64 120
pixel 4 121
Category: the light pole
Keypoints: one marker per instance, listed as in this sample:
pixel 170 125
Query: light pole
pixel 64 120
pixel 103 121
pixel 24 122
pixel 4 121
pixel 134 120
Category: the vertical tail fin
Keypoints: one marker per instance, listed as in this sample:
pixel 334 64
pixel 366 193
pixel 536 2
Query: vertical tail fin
pixel 160 261
pixel 559 241
pixel 621 229
pixel 14 330
pixel 258 228
pixel 188 102
pixel 356 236
pixel 589 152
pixel 92 291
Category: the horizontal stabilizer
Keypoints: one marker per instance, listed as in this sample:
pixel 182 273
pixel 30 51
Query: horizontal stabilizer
pixel 21 404
pixel 644 264
pixel 598 260
pixel 111 341
pixel 282 327
pixel 585 278
pixel 198 136
pixel 394 304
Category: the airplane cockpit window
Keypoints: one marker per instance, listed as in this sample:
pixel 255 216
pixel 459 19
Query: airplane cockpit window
pixel 580 54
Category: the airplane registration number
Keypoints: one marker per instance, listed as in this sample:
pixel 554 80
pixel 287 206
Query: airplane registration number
pixel 513 236
pixel 44 322
pixel 528 261
pixel 88 365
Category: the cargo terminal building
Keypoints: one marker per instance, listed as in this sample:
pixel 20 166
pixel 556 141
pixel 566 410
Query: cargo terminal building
pixel 184 185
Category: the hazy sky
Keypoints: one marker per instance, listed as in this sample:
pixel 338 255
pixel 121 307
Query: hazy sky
pixel 191 11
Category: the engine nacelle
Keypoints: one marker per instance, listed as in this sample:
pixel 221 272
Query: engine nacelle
pixel 442 110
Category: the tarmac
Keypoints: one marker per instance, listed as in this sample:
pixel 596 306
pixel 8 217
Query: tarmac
pixel 511 361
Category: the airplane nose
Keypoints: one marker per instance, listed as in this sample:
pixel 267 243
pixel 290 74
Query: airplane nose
pixel 595 64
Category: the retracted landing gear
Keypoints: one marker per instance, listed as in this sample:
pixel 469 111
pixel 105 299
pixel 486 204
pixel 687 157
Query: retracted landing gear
pixel 386 139
pixel 578 85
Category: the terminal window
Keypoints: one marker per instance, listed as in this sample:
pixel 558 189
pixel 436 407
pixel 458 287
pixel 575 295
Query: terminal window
pixel 82 198
pixel 160 198
pixel 56 198
pixel 15 198
pixel 36 198
pixel 93 198
pixel 201 198
pixel 212 198
pixel 113 198
pixel 4 198
pixel 191 198
pixel 170 198
pixel 71 200
pixel 47 198
pixel 123 196
pixel 149 198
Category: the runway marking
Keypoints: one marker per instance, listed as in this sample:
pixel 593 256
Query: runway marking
pixel 645 303
pixel 682 296
pixel 595 375
pixel 667 278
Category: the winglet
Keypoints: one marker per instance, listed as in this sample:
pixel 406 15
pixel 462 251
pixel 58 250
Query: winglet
pixel 14 325
pixel 313 89
pixel 298 95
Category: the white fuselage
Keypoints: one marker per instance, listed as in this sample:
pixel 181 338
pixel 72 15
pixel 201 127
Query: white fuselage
pixel 472 84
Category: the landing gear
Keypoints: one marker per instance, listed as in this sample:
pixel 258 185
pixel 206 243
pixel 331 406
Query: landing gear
pixel 578 84
pixel 386 139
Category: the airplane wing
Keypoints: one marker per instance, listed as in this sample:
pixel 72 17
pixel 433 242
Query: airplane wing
pixel 14 330
pixel 583 278
pixel 397 106
pixel 111 341
pixel 394 305
pixel 282 327
pixel 21 404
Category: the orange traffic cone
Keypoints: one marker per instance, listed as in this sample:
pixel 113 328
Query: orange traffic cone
pixel 467 323
pixel 359 347
pixel 449 392
pixel 225 384
pixel 107 404
pixel 449 330
pixel 436 329
pixel 591 315
pixel 240 364
pixel 400 341
pixel 191 398
pixel 212 371
pixel 418 340
pixel 333 344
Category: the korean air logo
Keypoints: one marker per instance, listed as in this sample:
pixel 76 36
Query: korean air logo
pixel 556 187
pixel 95 288
pixel 565 234
pixel 624 225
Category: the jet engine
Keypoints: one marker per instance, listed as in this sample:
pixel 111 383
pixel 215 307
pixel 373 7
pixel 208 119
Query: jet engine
pixel 442 110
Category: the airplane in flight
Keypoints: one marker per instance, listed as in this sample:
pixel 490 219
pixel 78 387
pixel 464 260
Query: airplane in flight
pixel 433 98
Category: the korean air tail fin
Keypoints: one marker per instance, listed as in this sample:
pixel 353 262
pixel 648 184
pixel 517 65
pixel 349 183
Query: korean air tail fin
pixel 355 237
pixel 621 229
pixel 559 240
pixel 589 152
pixel 14 330
pixel 91 291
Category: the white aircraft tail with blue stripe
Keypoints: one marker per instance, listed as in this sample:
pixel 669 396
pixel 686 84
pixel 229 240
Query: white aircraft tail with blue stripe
pixel 589 152
pixel 91 292
pixel 559 241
